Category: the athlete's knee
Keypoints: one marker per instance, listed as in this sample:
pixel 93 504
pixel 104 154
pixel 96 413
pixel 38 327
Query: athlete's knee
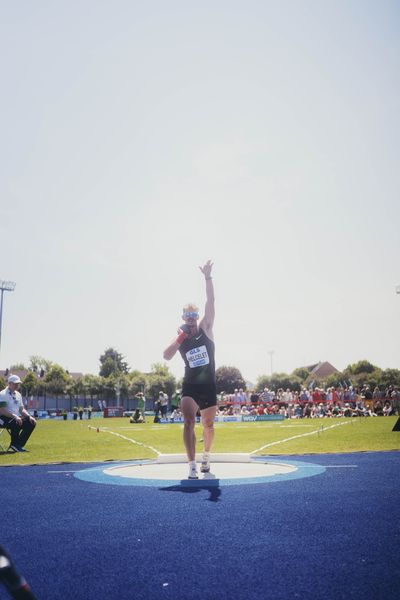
pixel 189 422
pixel 27 424
pixel 208 423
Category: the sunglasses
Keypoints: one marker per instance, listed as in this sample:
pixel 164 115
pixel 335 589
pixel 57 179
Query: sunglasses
pixel 191 315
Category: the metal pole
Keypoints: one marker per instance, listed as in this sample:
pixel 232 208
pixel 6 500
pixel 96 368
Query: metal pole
pixel 5 286
pixel 271 352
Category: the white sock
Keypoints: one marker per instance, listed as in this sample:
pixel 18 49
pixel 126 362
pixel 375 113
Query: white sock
pixel 192 464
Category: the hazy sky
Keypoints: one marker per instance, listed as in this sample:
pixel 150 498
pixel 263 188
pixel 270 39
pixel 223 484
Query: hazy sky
pixel 139 139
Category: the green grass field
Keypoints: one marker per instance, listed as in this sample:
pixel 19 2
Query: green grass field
pixel 73 441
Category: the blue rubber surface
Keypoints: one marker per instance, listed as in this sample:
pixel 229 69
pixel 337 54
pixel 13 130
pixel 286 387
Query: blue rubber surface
pixel 331 536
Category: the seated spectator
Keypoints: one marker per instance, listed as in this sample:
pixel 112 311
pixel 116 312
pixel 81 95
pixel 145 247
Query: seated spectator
pixel 328 410
pixel 298 411
pixel 14 416
pixel 137 417
pixel 387 409
pixel 347 411
pixel 307 410
pixel 176 414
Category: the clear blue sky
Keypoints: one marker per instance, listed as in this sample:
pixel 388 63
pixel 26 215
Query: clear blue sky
pixel 139 139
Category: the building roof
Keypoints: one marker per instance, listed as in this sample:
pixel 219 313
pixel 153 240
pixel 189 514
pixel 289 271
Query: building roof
pixel 7 372
pixel 322 370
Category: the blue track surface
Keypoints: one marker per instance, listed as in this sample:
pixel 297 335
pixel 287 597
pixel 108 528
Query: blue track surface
pixel 331 536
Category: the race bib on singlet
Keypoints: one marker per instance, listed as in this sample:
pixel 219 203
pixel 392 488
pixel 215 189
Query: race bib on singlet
pixel 197 357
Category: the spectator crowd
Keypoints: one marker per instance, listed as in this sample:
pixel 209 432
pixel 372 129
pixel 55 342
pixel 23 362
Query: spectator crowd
pixel 306 403
pixel 312 403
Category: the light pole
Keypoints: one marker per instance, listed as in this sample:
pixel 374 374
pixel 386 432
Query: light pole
pixel 5 286
pixel 118 391
pixel 271 353
pixel 397 289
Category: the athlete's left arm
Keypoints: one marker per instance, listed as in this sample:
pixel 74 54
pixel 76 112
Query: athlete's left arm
pixel 207 321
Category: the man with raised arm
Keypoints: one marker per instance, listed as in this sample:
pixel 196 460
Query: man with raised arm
pixel 195 343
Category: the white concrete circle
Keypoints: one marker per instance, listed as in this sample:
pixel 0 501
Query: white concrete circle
pixel 219 470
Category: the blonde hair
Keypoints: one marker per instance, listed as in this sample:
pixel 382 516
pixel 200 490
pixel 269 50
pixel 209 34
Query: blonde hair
pixel 190 307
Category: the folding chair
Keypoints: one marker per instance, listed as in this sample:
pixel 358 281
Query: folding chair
pixel 2 430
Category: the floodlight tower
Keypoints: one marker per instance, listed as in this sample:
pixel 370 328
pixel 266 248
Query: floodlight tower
pixel 5 286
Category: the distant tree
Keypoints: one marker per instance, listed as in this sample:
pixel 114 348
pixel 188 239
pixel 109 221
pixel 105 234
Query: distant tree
pixel 228 379
pixel 390 377
pixel 38 363
pixel 77 388
pixel 362 366
pixel 56 380
pixel 159 379
pixel 3 383
pixel 121 385
pixel 18 367
pixel 92 385
pixel 112 363
pixel 334 380
pixel 138 382
pixel 302 373
pixel 29 384
pixel 107 388
pixel 362 373
pixel 279 381
pixel 108 368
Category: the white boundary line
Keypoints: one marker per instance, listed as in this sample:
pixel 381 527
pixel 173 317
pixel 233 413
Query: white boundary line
pixel 322 428
pixel 125 438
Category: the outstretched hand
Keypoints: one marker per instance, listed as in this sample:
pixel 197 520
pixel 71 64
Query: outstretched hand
pixel 206 269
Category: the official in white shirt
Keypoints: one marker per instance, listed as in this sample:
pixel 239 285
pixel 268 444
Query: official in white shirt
pixel 14 416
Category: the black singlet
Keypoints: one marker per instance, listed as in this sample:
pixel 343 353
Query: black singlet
pixel 198 353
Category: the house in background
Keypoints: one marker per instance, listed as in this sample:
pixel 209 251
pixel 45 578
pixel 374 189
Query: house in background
pixel 321 370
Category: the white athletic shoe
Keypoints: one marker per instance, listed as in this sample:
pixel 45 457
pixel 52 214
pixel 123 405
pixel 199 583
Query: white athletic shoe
pixel 205 463
pixel 193 471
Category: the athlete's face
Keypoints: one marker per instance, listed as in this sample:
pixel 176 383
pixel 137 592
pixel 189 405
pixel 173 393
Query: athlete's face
pixel 190 317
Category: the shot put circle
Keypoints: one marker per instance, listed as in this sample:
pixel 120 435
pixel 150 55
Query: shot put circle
pixel 224 472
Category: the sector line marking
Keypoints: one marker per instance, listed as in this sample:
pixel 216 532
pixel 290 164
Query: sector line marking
pixel 98 429
pixel 293 437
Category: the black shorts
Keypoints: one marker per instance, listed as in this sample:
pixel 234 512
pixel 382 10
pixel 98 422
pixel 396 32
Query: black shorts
pixel 205 394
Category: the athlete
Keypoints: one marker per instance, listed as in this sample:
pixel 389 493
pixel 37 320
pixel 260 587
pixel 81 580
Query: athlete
pixel 195 343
